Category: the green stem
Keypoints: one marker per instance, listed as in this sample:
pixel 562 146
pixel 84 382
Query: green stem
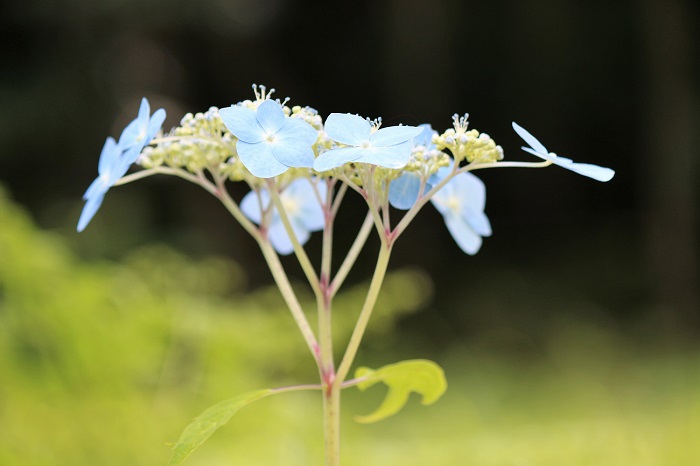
pixel 289 296
pixel 331 414
pixel 299 251
pixel 371 299
pixel 351 257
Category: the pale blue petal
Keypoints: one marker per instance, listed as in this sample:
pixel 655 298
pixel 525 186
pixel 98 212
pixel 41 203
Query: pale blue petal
pixel 347 129
pixel 98 187
pixel 144 111
pixel 292 144
pixel 592 171
pixel 464 236
pixel 394 135
pixel 292 152
pixel 126 160
pixel 471 190
pixel 425 138
pixel 309 211
pixel 337 157
pixel 251 207
pixel 89 210
pixel 109 155
pixel 403 191
pixel 477 221
pixel 279 239
pixel 154 124
pixel 439 175
pixel 441 199
pixel 530 139
pixel 396 156
pixel 259 160
pixel 299 129
pixel 130 134
pixel 589 170
pixel 242 123
pixel 270 116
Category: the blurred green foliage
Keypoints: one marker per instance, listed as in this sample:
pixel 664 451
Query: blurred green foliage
pixel 103 363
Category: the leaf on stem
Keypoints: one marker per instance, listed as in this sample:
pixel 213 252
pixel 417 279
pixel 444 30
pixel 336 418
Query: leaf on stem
pixel 418 375
pixel 204 425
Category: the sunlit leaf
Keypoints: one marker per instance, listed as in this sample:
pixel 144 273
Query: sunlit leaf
pixel 419 375
pixel 204 425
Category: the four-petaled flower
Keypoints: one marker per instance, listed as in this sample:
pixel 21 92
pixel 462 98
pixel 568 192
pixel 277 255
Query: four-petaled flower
pixel 461 202
pixel 139 132
pixel 386 147
pixel 303 210
pixel 117 157
pixel 111 167
pixel 269 143
pixel 585 169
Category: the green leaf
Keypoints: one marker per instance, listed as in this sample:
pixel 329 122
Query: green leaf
pixel 418 375
pixel 204 425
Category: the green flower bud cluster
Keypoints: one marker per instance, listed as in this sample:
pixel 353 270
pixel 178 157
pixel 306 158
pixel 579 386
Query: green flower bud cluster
pixel 469 145
pixel 201 141
pixel 426 161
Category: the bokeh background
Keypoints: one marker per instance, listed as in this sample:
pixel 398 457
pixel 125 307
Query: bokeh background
pixel 571 338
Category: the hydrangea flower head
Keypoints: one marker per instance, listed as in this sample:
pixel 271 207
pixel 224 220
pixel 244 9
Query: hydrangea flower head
pixel 385 147
pixel 537 148
pixel 112 166
pixel 461 202
pixel 139 132
pixel 302 207
pixel 269 142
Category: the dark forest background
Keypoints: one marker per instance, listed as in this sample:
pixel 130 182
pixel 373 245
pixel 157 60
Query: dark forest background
pixel 613 83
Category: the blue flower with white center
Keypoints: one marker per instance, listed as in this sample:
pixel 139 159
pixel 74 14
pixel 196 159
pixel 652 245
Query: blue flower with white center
pixel 139 132
pixel 536 148
pixel 461 202
pixel 111 167
pixel 269 143
pixel 403 191
pixel 303 209
pixel 386 147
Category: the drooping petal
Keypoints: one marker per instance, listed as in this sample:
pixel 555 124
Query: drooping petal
pixel 596 172
pixel 394 135
pixel 591 171
pixel 471 190
pixel 403 191
pixel 396 156
pixel 348 129
pixel 242 123
pixel 337 157
pixel 466 238
pixel 270 116
pixel 259 159
pixel 90 208
pixel 530 139
pixel 477 221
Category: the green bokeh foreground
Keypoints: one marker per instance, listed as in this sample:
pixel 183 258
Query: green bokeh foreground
pixel 104 363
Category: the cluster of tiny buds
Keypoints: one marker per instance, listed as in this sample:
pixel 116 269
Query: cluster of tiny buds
pixel 467 144
pixel 201 141
pixel 426 161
